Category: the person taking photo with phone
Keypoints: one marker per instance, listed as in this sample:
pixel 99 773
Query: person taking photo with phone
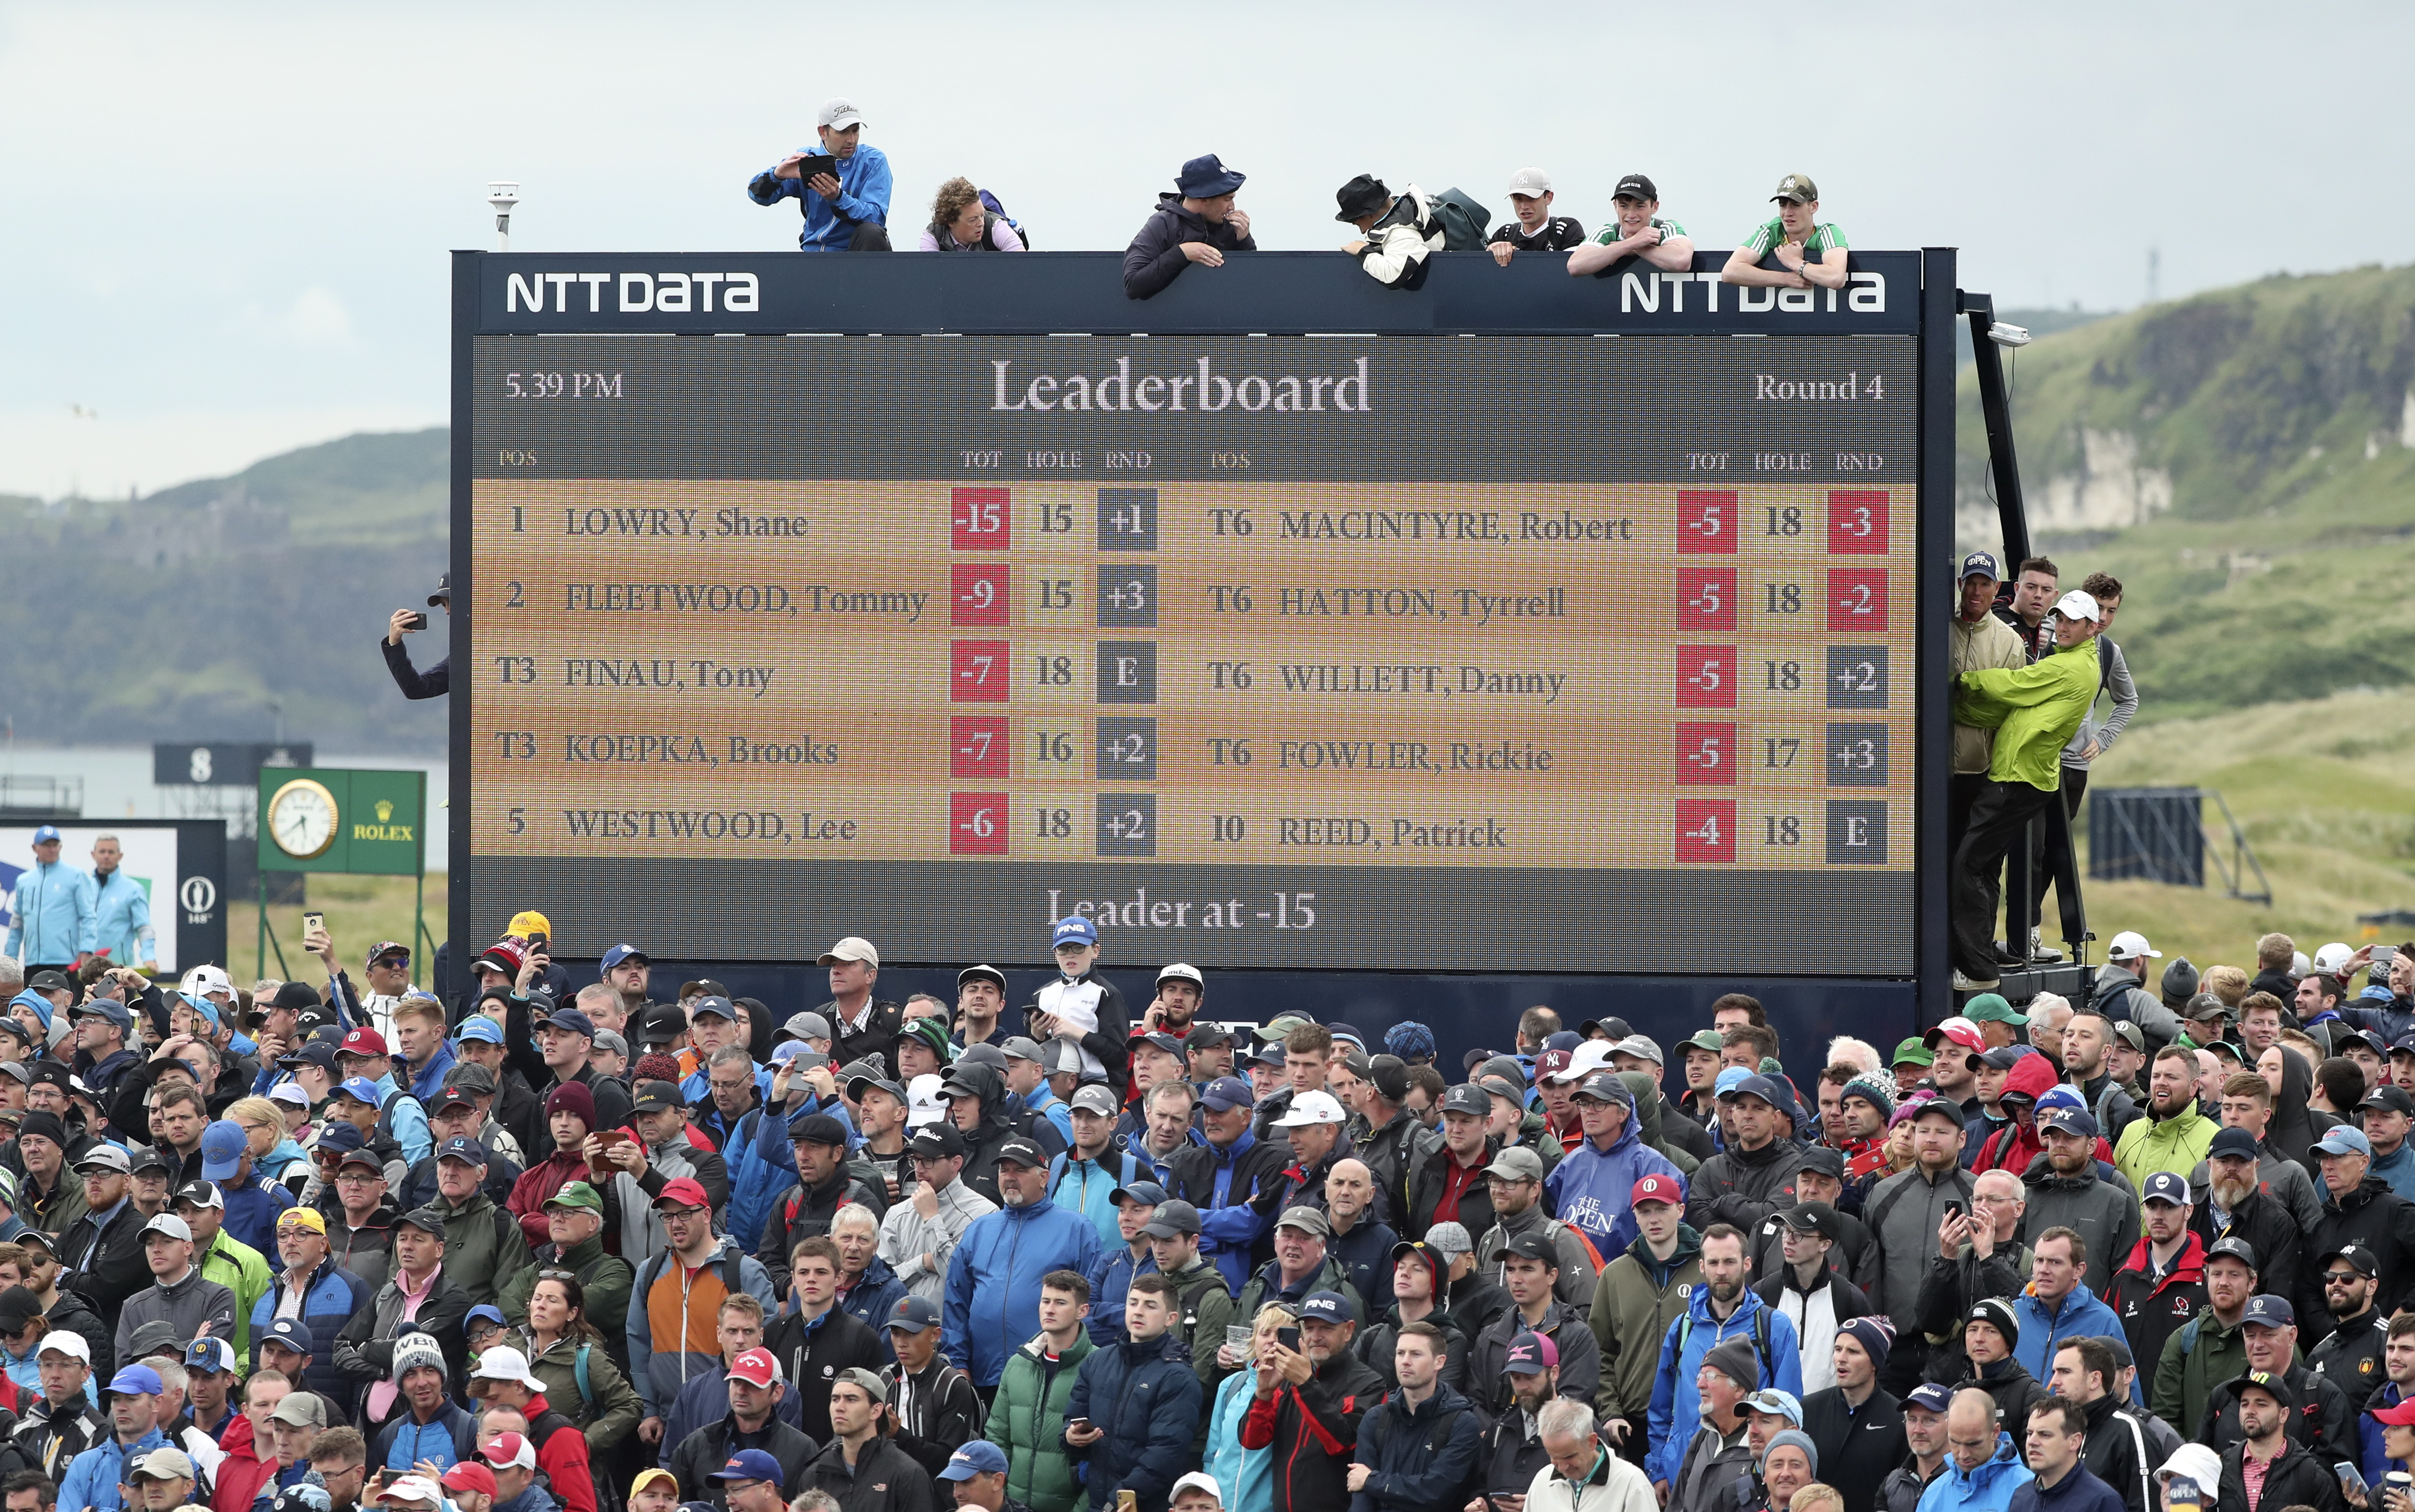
pixel 437 681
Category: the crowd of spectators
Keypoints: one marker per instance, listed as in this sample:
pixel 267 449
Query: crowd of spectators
pixel 619 1245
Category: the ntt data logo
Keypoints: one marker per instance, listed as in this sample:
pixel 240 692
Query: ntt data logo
pixel 632 293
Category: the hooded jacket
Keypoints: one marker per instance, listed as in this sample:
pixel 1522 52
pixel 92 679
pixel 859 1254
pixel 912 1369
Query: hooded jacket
pixel 2105 1214
pixel 1564 1325
pixel 2176 1143
pixel 1147 1399
pixel 537 1184
pixel 1003 1115
pixel 870 1298
pixel 2293 1130
pixel 906 1236
pixel 1313 1429
pixel 1421 1458
pixel 1590 1187
pixel 53 918
pixel 1234 1188
pixel 993 1288
pixel 2081 1315
pixel 1027 1420
pixel 1675 1409
pixel 2012 1147
pixel 1743 1187
pixel 1988 1489
pixel 92 1481
pixel 1396 247
pixel 660 1361
pixel 1155 260
pixel 1634 1303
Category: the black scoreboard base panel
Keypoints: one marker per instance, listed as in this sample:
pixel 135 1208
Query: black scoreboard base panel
pixel 1395 918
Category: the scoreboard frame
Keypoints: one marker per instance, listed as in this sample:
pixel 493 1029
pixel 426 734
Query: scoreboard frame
pixel 532 295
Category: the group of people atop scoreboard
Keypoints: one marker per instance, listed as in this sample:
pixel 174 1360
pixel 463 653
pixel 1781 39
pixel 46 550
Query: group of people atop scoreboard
pixel 842 186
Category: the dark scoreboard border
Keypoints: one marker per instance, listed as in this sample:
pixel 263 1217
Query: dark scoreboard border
pixel 1285 293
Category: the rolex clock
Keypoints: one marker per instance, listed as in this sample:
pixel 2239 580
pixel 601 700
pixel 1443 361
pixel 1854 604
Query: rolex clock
pixel 302 818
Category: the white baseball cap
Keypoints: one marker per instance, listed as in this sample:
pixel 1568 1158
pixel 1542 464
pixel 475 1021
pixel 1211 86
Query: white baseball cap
pixel 2078 606
pixel 2128 945
pixel 1196 1481
pixel 1585 1059
pixel 1530 181
pixel 839 112
pixel 503 1363
pixel 923 1104
pixel 2332 957
pixel 67 1342
pixel 203 981
pixel 1311 1108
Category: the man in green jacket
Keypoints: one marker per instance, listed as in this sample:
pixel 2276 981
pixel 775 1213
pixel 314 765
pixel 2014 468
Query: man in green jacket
pixel 2033 710
pixel 1027 1417
pixel 2211 1347
pixel 2175 1134
pixel 224 1258
pixel 574 1215
pixel 483 1246
pixel 1639 1295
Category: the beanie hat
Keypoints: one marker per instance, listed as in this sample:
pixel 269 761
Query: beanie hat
pixel 573 1096
pixel 1910 1107
pixel 1998 1314
pixel 1734 1358
pixel 1800 1440
pixel 2179 982
pixel 654 1066
pixel 1410 1041
pixel 414 1350
pixel 47 1124
pixel 1874 1333
pixel 1869 1086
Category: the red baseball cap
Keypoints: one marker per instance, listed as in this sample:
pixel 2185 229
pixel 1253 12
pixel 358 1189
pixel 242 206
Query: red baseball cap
pixel 469 1475
pixel 685 1191
pixel 1958 1030
pixel 1550 1064
pixel 2402 1416
pixel 756 1367
pixel 363 1041
pixel 1657 1190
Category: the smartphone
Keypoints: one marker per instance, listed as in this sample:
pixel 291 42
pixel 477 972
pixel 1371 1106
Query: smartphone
pixel 538 944
pixel 1077 1422
pixel 311 922
pixel 1288 1338
pixel 1952 1210
pixel 418 621
pixel 2352 1481
pixel 609 1137
pixel 1127 1499
pixel 811 167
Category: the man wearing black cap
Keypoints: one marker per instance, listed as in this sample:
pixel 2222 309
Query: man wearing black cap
pixel 1307 1404
pixel 1819 1177
pixel 2351 1355
pixel 2319 1420
pixel 1395 1142
pixel 2288 1468
pixel 825 1184
pixel 1754 1176
pixel 1447 1183
pixel 981 997
pixel 103 1252
pixel 1806 1289
pixel 2236 1206
pixel 1208 1049
pixel 1530 1269
pixel 2068 1192
pixel 1637 231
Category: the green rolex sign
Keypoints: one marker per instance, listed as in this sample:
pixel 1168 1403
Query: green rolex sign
pixel 322 819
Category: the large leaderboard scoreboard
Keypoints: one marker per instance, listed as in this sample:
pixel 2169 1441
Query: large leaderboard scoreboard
pixel 1551 624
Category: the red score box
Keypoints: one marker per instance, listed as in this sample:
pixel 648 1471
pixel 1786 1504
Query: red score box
pixel 1857 523
pixel 980 519
pixel 1706 598
pixel 1706 523
pixel 976 824
pixel 976 670
pixel 976 746
pixel 1857 599
pixel 1707 830
pixel 1706 755
pixel 976 596
pixel 1706 677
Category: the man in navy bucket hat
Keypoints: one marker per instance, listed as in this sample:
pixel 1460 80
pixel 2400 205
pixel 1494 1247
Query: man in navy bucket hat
pixel 1196 223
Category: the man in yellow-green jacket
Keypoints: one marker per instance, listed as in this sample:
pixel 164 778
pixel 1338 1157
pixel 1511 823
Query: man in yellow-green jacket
pixel 2033 710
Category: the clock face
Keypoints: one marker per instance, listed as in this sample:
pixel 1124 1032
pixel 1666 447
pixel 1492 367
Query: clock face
pixel 302 818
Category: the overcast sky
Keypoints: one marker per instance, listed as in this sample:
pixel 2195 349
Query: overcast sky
pixel 225 227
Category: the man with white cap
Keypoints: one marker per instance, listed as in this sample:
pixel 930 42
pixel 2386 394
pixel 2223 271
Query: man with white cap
pixel 2033 710
pixel 179 1293
pixel 866 1025
pixel 2121 992
pixel 61 1423
pixel 841 186
pixel 1533 228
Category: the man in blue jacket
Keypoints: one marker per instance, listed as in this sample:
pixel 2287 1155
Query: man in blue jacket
pixel 121 910
pixel 1723 1307
pixel 1418 1446
pixel 55 927
pixel 2057 1306
pixel 846 210
pixel 322 1294
pixel 1232 1178
pixel 1983 1465
pixel 993 1291
pixel 95 1478
pixel 1137 1403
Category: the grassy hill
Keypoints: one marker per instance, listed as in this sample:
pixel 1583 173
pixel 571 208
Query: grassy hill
pixel 184 614
pixel 2244 461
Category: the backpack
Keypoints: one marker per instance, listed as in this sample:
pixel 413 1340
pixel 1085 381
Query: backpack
pixel 1760 1338
pixel 1462 218
pixel 733 1260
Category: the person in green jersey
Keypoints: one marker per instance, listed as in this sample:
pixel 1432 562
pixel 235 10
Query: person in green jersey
pixel 2033 710
pixel 1811 251
pixel 1636 230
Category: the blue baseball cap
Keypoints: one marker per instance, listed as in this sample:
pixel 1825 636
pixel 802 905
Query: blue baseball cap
pixel 1981 563
pixel 625 952
pixel 1226 1093
pixel 717 1007
pixel 359 1088
pixel 1935 1396
pixel 749 1464
pixel 914 1314
pixel 464 1149
pixel 1756 1086
pixel 134 1378
pixel 2077 1121
pixel 1730 1080
pixel 46 833
pixel 222 1149
pixel 339 1137
pixel 488 1311
pixel 1146 1193
pixel 318 1052
pixel 1332 1307
pixel 573 1020
pixel 2270 1311
pixel 1074 930
pixel 2165 1187
pixel 291 1332
pixel 482 1028
pixel 2342 1139
pixel 979 1456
